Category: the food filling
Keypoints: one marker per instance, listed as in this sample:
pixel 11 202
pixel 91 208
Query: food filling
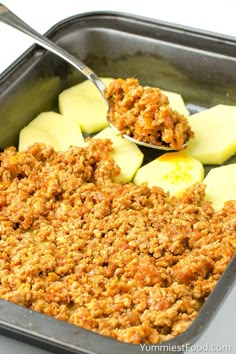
pixel 144 113
pixel 126 261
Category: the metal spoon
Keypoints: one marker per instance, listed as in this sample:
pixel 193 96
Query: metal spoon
pixel 9 18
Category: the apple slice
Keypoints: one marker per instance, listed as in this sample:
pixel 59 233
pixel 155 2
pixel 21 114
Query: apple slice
pixel 215 134
pixel 84 104
pixel 176 102
pixel 220 185
pixel 30 135
pixel 125 153
pixel 173 172
pixel 53 129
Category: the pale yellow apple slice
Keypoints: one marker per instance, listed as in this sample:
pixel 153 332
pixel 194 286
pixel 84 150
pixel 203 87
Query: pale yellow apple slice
pixel 30 135
pixel 84 104
pixel 173 172
pixel 53 129
pixel 221 185
pixel 125 153
pixel 215 134
pixel 176 102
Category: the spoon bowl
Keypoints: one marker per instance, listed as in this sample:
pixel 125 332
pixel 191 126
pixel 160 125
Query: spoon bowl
pixel 142 143
pixel 9 18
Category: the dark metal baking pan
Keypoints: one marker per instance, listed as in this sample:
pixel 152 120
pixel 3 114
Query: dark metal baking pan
pixel 199 65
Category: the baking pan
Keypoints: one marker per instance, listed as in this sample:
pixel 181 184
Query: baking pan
pixel 199 65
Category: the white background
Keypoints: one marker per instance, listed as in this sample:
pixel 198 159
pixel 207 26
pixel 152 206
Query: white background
pixel 211 15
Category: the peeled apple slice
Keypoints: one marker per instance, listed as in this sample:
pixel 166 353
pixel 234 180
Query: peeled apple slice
pixel 125 153
pixel 215 134
pixel 220 185
pixel 176 102
pixel 52 129
pixel 30 135
pixel 173 172
pixel 84 105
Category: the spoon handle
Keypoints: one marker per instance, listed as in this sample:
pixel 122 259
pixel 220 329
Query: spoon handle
pixel 9 18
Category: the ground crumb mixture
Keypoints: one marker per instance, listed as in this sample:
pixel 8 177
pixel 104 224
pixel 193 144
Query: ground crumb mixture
pixel 144 114
pixel 122 260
